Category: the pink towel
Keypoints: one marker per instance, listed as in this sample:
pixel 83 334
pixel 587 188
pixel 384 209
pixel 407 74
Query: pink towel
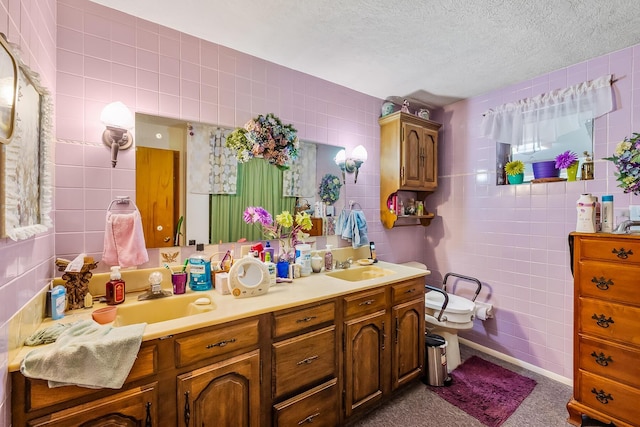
pixel 124 240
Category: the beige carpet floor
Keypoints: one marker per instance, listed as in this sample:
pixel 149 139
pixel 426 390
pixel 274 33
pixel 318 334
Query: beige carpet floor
pixel 417 406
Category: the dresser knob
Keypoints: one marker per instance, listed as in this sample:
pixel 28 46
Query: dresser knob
pixel 621 253
pixel 601 359
pixel 602 283
pixel 602 321
pixel 602 396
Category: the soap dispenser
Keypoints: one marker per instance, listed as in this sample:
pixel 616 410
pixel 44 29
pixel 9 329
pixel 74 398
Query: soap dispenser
pixel 114 290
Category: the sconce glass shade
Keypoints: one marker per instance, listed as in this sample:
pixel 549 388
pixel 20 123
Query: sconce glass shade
pixel 340 158
pixel 117 115
pixel 359 154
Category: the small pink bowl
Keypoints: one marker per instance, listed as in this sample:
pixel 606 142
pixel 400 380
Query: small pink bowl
pixel 104 315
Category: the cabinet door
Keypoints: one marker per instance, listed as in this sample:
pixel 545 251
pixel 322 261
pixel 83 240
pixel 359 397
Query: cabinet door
pixel 135 407
pixel 365 364
pixel 428 158
pixel 408 342
pixel 224 394
pixel 411 173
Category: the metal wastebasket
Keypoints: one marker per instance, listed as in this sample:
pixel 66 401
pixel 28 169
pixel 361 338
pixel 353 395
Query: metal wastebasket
pixel 436 361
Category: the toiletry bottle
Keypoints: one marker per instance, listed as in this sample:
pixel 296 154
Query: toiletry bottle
pixel 58 302
pixel 268 248
pixel 607 214
pixel 328 258
pixel 199 270
pixel 586 214
pixel 271 267
pixel 114 291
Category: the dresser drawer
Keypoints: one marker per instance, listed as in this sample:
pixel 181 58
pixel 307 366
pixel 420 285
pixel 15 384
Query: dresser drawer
pixel 617 400
pixel 318 407
pixel 609 281
pixel 303 360
pixel 408 290
pixel 609 320
pixel 610 360
pixel 297 320
pixel 619 250
pixel 365 303
pixel 216 342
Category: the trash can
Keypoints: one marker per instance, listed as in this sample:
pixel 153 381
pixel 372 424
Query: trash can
pixel 436 361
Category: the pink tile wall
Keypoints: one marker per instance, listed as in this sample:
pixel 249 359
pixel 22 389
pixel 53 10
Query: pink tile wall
pixel 514 238
pixel 25 266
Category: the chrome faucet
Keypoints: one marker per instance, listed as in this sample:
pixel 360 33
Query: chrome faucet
pixel 344 264
pixel 623 227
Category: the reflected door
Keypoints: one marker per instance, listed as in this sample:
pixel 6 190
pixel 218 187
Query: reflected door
pixel 156 190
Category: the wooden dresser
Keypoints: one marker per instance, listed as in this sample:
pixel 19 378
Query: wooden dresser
pixel 606 358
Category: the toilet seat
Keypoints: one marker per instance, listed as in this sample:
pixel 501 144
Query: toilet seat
pixel 458 310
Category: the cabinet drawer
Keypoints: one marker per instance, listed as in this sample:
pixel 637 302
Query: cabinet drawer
pixel 619 250
pixel 609 281
pixel 216 342
pixel 617 400
pixel 300 319
pixel 317 407
pixel 303 360
pixel 39 395
pixel 609 320
pixel 609 360
pixel 408 290
pixel 365 302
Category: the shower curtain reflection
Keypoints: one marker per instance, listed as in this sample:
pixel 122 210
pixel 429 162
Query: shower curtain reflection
pixel 263 188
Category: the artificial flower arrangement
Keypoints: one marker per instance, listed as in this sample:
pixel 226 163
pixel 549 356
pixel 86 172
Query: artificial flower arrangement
pixel 566 159
pixel 290 232
pixel 514 167
pixel 627 159
pixel 329 190
pixel 265 137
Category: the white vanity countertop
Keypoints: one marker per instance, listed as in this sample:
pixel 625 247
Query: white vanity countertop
pixel 305 290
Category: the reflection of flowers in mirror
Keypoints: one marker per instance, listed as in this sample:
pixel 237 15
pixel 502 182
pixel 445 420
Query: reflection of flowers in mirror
pixel 627 159
pixel 514 167
pixel 329 190
pixel 566 159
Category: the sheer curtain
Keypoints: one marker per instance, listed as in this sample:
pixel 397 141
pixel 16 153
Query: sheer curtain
pixel 299 179
pixel 546 117
pixel 212 168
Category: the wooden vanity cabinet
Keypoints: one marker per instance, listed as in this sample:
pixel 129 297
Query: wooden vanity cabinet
pixel 606 373
pixel 409 147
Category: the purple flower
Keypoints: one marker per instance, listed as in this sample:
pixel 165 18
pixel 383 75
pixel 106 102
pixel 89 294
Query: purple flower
pixel 566 159
pixel 255 214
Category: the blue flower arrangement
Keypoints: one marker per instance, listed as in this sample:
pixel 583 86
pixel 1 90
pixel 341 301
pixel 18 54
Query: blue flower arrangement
pixel 329 190
pixel 627 159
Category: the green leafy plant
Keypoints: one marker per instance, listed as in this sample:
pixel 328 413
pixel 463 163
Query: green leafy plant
pixel 514 167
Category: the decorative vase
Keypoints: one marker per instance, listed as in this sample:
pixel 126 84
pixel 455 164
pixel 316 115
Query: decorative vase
pixel 516 179
pixel 572 171
pixel 546 169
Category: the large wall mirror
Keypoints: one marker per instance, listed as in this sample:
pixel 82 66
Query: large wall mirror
pixel 172 213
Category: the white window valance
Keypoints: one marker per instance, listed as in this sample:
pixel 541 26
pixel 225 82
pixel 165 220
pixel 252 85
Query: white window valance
pixel 546 117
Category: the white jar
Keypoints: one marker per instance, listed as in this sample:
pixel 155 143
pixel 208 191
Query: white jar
pixel 586 206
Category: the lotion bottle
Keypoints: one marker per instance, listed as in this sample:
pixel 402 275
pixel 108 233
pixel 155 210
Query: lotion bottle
pixel 271 267
pixel 115 287
pixel 586 206
pixel 328 258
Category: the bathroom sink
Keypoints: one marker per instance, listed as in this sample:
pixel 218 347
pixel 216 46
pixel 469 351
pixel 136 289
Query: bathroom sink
pixel 162 309
pixel 356 274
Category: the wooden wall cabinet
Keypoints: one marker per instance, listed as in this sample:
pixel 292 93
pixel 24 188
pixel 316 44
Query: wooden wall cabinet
pixel 606 373
pixel 408 162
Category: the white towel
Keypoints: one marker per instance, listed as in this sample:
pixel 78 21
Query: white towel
pixel 88 355
pixel 124 240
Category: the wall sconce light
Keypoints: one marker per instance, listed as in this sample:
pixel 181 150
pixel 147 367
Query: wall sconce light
pixel 118 120
pixel 351 164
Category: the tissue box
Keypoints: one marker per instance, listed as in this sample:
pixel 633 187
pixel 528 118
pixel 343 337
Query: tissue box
pixel 222 283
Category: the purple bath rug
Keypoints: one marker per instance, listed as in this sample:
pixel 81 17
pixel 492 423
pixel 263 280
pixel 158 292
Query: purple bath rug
pixel 486 391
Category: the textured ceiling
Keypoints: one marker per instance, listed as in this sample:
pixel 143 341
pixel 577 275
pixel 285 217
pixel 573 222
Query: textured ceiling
pixel 435 51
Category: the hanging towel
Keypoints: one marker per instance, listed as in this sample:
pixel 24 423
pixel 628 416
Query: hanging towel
pixel 88 355
pixel 359 229
pixel 347 226
pixel 124 240
pixel 341 221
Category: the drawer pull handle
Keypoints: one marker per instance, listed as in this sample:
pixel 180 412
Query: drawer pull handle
pixel 221 343
pixel 307 360
pixel 309 419
pixel 601 396
pixel 622 254
pixel 306 319
pixel 601 359
pixel 602 283
pixel 367 302
pixel 410 291
pixel 602 321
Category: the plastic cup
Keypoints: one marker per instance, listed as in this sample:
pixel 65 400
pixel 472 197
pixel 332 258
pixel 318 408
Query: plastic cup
pixel 179 282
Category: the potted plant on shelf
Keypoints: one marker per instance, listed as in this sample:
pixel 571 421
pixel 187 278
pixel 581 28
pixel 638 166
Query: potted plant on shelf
pixel 515 171
pixel 569 161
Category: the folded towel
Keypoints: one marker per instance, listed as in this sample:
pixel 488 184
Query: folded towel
pixel 124 240
pixel 88 355
pixel 359 229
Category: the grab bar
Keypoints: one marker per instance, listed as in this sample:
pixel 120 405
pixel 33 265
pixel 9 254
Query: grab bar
pixel 472 279
pixel 446 299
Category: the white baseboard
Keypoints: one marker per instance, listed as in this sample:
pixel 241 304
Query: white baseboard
pixel 517 362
